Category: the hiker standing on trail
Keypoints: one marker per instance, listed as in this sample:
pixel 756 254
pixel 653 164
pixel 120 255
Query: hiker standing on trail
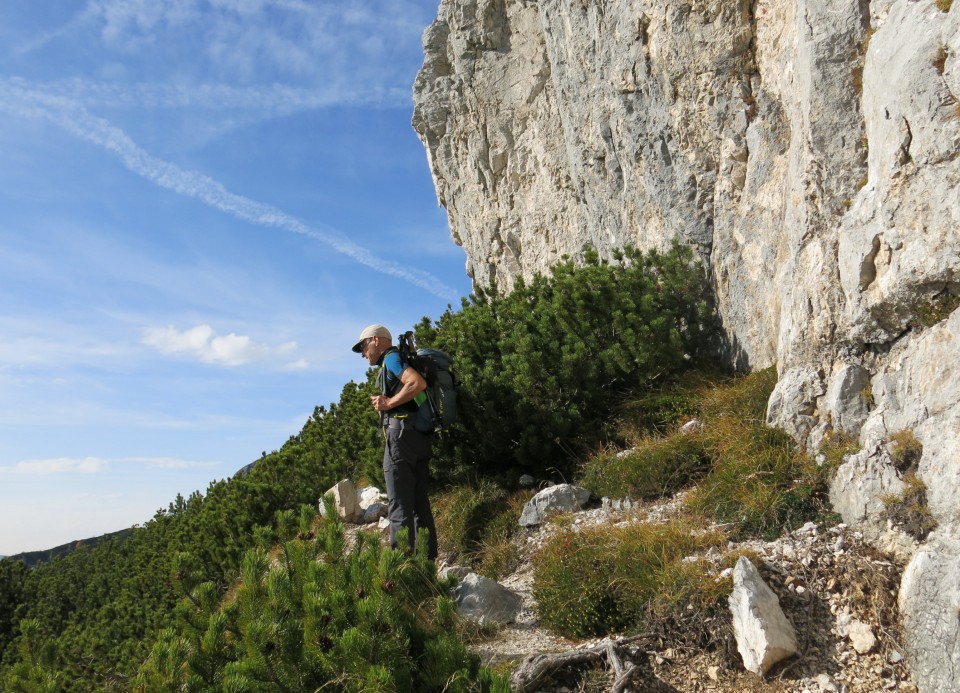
pixel 406 457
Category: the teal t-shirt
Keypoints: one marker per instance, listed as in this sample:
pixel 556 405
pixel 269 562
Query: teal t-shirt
pixel 390 383
pixel 392 362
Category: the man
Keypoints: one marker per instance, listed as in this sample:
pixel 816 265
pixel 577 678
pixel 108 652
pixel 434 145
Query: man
pixel 406 457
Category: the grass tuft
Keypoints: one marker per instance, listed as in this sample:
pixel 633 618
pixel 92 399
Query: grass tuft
pixel 938 308
pixel 910 511
pixel 661 411
pixel 605 579
pixel 746 472
pixel 759 479
pixel 656 467
pixel 476 524
pixel 905 450
pixel 944 5
pixel 837 447
pixel 940 60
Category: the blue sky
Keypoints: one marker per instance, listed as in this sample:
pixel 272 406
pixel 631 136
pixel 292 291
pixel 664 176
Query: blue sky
pixel 202 202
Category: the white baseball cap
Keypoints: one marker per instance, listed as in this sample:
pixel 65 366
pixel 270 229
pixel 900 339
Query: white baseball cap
pixel 371 331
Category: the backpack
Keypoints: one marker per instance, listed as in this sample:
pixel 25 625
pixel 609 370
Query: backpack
pixel 438 410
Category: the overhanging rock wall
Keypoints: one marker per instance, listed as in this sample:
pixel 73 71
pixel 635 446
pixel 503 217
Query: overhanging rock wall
pixel 809 150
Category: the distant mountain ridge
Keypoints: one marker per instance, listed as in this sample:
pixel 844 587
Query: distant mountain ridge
pixel 33 558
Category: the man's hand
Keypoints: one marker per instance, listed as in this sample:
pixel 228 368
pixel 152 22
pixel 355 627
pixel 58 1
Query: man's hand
pixel 412 384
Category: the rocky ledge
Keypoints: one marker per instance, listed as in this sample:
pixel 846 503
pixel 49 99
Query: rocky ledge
pixel 837 592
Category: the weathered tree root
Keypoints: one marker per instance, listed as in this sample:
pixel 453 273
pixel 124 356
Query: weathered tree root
pixel 536 669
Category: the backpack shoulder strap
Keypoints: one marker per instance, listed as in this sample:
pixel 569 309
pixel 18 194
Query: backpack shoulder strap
pixel 387 382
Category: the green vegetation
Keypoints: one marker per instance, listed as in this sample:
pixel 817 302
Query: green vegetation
pixel 909 510
pixel 656 467
pixel 938 308
pixel 619 579
pixel 944 5
pixel 905 450
pixel 13 580
pixel 540 366
pixel 759 480
pixel 740 473
pixel 476 524
pixel 311 613
pixel 610 355
pixel 835 450
pixel 543 366
pixel 747 473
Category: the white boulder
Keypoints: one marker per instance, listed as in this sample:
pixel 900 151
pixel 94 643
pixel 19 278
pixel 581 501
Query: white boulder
pixel 562 498
pixel 764 635
pixel 486 601
pixel 344 501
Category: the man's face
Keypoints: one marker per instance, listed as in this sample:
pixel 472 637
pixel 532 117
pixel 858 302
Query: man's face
pixel 372 348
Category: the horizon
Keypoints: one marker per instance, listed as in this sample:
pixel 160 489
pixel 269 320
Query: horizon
pixel 202 206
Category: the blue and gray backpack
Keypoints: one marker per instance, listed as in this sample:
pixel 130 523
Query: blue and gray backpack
pixel 437 405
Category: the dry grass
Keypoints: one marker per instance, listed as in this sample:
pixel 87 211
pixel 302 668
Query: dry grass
pixel 905 450
pixel 745 472
pixel 910 512
pixel 654 468
pixel 940 60
pixel 759 480
pixel 476 525
pixel 605 579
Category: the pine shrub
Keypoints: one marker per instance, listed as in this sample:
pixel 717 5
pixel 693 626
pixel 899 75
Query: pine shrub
pixel 37 670
pixel 543 365
pixel 308 614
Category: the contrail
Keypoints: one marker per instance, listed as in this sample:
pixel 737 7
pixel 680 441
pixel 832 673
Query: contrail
pixel 19 98
pixel 274 99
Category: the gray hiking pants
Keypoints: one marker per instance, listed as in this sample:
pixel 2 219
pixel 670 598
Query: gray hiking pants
pixel 406 470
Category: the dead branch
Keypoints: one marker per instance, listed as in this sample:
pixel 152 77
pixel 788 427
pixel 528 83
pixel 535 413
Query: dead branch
pixel 537 669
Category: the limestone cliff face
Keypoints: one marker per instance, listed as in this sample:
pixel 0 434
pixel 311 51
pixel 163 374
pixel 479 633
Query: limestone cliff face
pixel 808 149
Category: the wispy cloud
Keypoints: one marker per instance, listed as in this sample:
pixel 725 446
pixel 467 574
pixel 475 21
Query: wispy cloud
pixel 201 342
pixel 172 463
pixel 86 15
pixel 317 42
pixel 70 347
pixel 22 99
pixel 268 100
pixel 96 465
pixel 59 465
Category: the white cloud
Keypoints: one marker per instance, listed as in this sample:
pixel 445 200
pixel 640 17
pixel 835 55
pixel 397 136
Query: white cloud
pixel 45 340
pixel 256 38
pixel 171 463
pixel 202 343
pixel 59 465
pixel 121 19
